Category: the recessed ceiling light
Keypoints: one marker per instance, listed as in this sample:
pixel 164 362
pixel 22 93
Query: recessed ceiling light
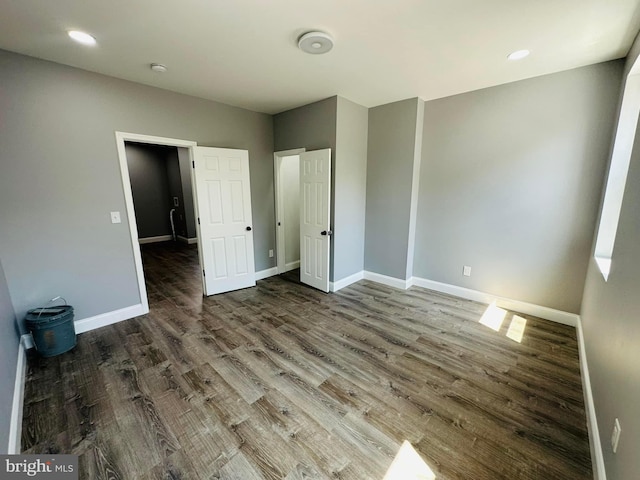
pixel 518 54
pixel 158 67
pixel 82 37
pixel 315 43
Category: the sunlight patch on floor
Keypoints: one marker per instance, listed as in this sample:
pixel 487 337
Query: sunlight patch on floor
pixel 516 328
pixel 408 465
pixel 493 317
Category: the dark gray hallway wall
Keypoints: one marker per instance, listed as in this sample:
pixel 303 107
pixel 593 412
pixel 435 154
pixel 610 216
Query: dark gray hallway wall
pixel 9 341
pixel 150 188
pixel 510 185
pixel 390 171
pixel 312 127
pixel 61 178
pixel 610 311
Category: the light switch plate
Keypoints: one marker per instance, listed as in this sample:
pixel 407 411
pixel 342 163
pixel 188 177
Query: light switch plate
pixel 115 217
pixel 466 271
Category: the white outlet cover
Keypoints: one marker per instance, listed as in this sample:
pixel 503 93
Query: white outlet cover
pixel 115 217
pixel 466 271
pixel 615 436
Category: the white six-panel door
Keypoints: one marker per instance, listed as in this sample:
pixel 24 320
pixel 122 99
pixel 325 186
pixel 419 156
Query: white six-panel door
pixel 315 233
pixel 225 235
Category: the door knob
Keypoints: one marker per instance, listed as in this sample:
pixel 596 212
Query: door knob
pixel 326 232
pixel 248 229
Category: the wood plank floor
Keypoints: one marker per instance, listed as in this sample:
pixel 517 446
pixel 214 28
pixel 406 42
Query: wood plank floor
pixel 284 382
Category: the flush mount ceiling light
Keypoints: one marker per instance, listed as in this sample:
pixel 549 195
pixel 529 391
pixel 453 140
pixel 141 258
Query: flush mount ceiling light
pixel 82 37
pixel 315 43
pixel 518 54
pixel 158 67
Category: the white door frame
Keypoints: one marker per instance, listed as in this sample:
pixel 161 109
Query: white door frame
pixel 121 138
pixel 280 236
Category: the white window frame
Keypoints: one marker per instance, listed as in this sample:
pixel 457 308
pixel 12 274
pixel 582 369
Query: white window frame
pixel 618 170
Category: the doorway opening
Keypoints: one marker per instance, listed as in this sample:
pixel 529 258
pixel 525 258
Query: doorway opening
pixel 122 139
pixel 304 178
pixel 287 192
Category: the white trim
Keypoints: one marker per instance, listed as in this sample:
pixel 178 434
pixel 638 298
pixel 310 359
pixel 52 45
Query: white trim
pixel 597 457
pixel 415 187
pixel 121 137
pixel 385 280
pixel 292 265
pixel 279 208
pixel 345 282
pixel 104 319
pixel 547 313
pixel 15 425
pixel 289 153
pixel 622 151
pixel 269 272
pixel 159 238
pixel 188 241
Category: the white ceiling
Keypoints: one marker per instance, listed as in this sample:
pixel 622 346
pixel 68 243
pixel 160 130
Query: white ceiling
pixel 244 52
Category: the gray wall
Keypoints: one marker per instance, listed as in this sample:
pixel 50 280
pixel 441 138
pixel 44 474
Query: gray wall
pixel 312 127
pixel 390 169
pixel 148 172
pixel 510 184
pixel 612 330
pixel 350 188
pixel 8 360
pixel 60 177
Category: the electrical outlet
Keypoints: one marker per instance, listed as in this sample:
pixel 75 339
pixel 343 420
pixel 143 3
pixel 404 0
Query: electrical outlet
pixel 466 271
pixel 115 217
pixel 615 436
pixel 270 253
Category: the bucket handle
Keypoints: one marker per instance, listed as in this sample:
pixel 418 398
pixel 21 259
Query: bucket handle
pixel 54 299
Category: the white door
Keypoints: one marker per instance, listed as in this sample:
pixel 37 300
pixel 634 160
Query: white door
pixel 223 203
pixel 315 233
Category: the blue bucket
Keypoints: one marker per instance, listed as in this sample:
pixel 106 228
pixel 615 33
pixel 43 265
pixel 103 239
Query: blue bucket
pixel 52 329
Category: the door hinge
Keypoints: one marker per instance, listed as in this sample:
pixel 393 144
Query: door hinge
pixel 193 163
pixel 198 220
pixel 204 274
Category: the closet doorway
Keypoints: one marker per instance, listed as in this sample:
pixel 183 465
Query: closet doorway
pixel 287 194
pixel 303 213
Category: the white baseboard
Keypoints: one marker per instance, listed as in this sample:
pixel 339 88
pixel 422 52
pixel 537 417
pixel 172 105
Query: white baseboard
pixel 269 272
pixel 547 313
pixel 291 265
pixel 160 238
pixel 104 319
pixel 385 280
pixel 597 457
pixel 15 425
pixel 345 282
pixel 188 241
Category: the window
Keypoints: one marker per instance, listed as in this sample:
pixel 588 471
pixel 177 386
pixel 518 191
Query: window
pixel 617 179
